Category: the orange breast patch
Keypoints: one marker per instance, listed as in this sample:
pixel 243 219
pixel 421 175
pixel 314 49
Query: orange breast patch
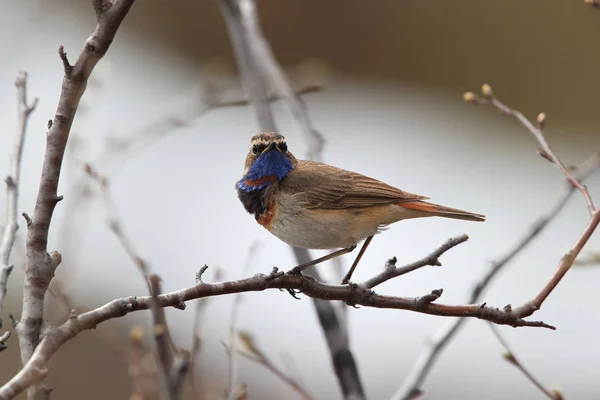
pixel 267 217
pixel 264 179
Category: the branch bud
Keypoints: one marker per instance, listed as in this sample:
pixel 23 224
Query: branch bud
pixel 557 394
pixel 487 90
pixel 136 334
pixel 508 356
pixel 470 97
pixel 541 120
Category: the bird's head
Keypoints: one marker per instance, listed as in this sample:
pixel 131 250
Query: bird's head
pixel 268 161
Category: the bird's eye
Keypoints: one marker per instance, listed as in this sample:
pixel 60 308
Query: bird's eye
pixel 258 148
pixel 283 147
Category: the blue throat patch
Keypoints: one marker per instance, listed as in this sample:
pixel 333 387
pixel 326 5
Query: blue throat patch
pixel 273 163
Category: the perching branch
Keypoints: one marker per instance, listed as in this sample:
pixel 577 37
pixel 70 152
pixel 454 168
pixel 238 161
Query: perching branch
pixel 40 266
pixel 258 65
pixel 24 110
pixel 357 294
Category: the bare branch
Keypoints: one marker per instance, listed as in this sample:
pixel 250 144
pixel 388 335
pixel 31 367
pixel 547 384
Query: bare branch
pixel 40 266
pixel 569 257
pixel 251 351
pixel 11 226
pixel 509 356
pixel 353 294
pixel 426 360
pixel 162 338
pixel 136 355
pixel 188 109
pixel 263 55
pixel 233 365
pixel 257 64
pixel 547 152
pixel 391 271
pixel 173 366
pixel 115 224
pixel 201 305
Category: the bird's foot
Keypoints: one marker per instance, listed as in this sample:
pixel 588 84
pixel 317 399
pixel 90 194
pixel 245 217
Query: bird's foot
pixel 346 279
pixel 353 287
pixel 293 293
pixel 295 271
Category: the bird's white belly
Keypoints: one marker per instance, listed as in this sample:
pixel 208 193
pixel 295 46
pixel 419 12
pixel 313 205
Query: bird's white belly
pixel 327 229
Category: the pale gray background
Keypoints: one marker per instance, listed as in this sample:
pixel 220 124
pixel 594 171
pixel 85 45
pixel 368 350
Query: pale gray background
pixel 393 111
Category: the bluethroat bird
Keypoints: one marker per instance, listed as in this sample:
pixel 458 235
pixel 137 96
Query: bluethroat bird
pixel 317 206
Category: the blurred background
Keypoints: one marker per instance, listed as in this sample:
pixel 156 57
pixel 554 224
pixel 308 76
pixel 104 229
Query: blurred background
pixel 395 73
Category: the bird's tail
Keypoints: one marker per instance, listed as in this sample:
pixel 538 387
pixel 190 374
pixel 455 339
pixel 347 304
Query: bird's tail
pixel 441 211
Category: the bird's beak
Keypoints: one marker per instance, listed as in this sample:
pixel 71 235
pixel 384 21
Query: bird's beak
pixel 272 146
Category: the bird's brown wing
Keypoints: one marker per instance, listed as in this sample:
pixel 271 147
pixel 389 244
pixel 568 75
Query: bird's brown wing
pixel 318 185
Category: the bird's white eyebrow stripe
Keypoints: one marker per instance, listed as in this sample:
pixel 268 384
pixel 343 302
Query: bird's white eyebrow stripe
pixel 266 142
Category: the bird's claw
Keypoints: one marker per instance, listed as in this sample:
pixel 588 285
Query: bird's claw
pixel 353 287
pixel 293 293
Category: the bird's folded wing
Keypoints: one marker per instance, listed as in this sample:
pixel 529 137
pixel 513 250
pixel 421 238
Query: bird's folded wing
pixel 317 185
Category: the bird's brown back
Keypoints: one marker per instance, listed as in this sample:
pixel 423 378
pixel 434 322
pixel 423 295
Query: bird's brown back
pixel 318 185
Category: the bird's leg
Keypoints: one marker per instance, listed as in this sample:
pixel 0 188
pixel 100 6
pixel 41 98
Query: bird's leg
pixel 357 260
pixel 299 268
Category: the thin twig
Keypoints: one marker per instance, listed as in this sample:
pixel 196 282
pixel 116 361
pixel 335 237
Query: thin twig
pixel 262 53
pixel 568 258
pixel 40 266
pixel 119 149
pixel 172 364
pixel 489 99
pixel 136 355
pixel 391 271
pixel 233 364
pixel 199 315
pixel 420 370
pixel 24 110
pixel 509 356
pixel 162 338
pixel 115 223
pixel 252 352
